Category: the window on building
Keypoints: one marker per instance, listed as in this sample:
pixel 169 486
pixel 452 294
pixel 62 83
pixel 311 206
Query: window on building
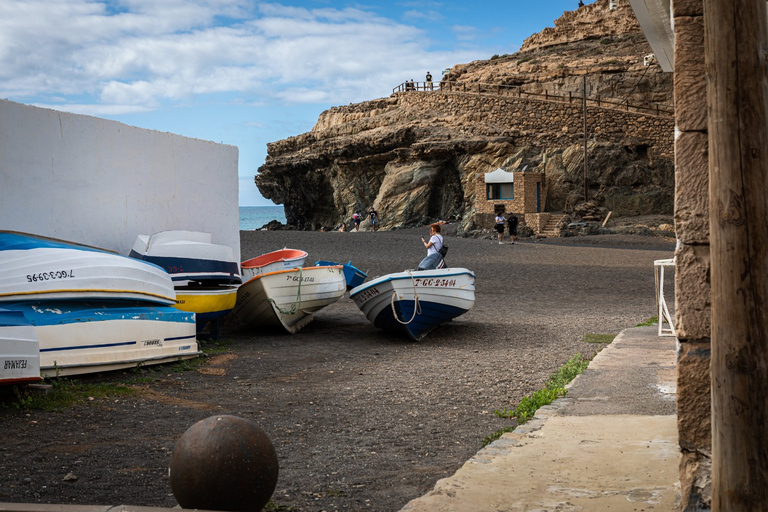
pixel 499 191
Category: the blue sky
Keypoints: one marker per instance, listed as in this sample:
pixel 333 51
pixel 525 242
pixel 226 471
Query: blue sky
pixel 241 72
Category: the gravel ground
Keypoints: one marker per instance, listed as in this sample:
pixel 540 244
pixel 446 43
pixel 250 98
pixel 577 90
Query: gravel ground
pixel 360 420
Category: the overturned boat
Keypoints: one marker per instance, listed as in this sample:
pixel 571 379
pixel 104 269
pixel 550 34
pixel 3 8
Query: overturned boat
pixel 34 267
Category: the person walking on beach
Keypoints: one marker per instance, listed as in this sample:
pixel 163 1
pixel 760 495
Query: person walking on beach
pixel 357 218
pixel 512 225
pixel 499 227
pixel 374 216
pixel 434 259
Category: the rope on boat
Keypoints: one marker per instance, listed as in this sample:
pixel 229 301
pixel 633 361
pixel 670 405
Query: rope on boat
pixel 416 305
pixel 296 303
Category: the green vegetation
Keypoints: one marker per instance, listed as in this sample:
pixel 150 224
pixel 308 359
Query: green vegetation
pixel 64 394
pixel 524 59
pixel 598 338
pixel 554 389
pixel 654 320
pixel 274 507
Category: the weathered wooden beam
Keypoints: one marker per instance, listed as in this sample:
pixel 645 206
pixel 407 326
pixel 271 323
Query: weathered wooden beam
pixel 736 46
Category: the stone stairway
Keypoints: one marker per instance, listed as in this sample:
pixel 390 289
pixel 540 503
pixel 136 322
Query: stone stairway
pixel 549 229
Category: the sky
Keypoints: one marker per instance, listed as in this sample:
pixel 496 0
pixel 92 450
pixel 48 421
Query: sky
pixel 241 72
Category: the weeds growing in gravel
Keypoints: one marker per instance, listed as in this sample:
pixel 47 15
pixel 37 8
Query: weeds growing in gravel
pixel 654 320
pixel 554 389
pixel 63 394
pixel 598 338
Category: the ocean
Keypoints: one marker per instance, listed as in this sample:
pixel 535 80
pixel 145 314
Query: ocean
pixel 253 217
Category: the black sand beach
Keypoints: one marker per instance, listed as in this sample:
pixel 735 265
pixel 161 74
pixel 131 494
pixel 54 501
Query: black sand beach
pixel 360 420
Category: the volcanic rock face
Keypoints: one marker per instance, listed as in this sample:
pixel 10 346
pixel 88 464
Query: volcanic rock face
pixel 418 156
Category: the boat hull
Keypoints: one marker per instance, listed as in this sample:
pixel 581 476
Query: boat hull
pixel 274 261
pixel 39 268
pixel 287 298
pixel 19 349
pixel 353 276
pixel 207 302
pixel 188 256
pixel 87 337
pixel 390 302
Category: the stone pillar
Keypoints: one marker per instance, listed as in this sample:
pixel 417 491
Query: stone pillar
pixel 692 273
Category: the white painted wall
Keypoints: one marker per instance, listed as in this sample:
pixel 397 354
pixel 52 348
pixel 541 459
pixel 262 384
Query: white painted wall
pixel 102 183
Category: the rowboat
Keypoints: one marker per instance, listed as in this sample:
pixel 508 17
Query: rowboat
pixel 38 268
pixel 282 259
pixel 415 302
pixel 209 303
pixel 88 337
pixel 288 298
pixel 19 349
pixel 188 256
pixel 352 275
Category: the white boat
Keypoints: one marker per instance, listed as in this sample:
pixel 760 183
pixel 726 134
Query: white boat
pixel 87 337
pixel 282 259
pixel 188 256
pixel 19 349
pixel 38 268
pixel 287 298
pixel 415 302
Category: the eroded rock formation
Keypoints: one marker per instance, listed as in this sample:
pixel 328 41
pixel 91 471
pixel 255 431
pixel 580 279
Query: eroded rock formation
pixel 417 156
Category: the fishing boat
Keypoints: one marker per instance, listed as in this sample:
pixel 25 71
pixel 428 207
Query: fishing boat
pixel 288 298
pixel 34 267
pixel 282 259
pixel 353 276
pixel 188 256
pixel 19 349
pixel 209 303
pixel 415 302
pixel 80 337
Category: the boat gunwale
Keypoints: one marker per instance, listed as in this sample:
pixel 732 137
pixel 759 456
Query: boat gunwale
pixel 295 269
pixel 395 277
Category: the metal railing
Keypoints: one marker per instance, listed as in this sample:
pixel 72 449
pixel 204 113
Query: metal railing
pixel 516 90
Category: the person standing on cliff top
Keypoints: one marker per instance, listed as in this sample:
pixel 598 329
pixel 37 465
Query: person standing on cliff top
pixel 429 80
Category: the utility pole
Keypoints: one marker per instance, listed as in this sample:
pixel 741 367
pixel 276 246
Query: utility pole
pixel 586 161
pixel 735 39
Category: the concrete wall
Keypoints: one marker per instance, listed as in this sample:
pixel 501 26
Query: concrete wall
pixel 102 183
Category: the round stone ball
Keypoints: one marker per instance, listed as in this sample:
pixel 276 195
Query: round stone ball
pixel 224 463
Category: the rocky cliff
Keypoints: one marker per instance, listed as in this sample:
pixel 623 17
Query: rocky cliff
pixel 416 156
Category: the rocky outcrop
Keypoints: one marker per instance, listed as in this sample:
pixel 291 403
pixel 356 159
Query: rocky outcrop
pixel 417 156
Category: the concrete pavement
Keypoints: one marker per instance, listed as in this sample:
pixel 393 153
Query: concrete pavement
pixel 609 445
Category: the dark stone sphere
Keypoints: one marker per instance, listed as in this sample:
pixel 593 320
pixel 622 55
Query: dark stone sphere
pixel 224 463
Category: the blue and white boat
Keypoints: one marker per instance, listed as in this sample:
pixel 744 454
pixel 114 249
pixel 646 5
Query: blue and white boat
pixel 34 267
pixel 189 256
pixel 79 337
pixel 19 349
pixel 352 275
pixel 415 302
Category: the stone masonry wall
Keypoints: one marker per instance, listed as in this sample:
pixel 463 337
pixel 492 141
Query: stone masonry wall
pixel 532 117
pixel 692 272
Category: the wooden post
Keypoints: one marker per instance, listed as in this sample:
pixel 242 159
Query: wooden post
pixel 586 160
pixel 735 41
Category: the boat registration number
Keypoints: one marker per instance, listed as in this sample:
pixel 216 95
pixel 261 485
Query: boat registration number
pixel 15 364
pixel 50 276
pixel 366 295
pixel 435 282
pixel 304 279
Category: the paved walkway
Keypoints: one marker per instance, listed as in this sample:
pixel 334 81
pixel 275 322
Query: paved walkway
pixel 610 445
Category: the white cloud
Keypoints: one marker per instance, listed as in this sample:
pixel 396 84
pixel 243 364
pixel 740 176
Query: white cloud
pixel 141 54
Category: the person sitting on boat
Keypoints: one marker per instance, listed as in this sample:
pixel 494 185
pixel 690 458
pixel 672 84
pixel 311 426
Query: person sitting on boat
pixel 434 259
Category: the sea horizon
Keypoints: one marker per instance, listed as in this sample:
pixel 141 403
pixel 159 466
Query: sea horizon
pixel 254 217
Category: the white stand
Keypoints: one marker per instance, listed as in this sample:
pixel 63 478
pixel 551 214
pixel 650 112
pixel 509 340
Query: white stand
pixel 664 316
